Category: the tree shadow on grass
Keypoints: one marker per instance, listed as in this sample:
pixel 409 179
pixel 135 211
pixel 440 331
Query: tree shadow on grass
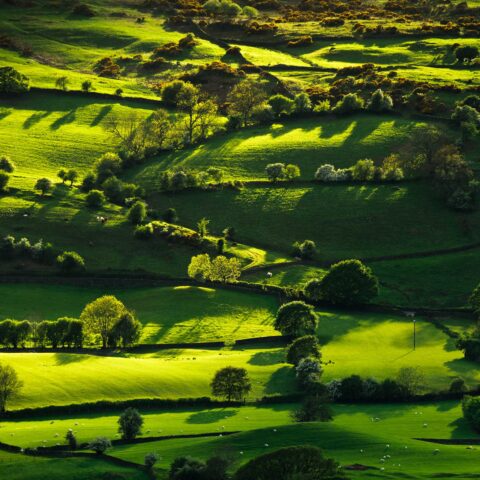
pixel 67 358
pixel 35 118
pixel 69 117
pixel 281 381
pixel 104 111
pixel 212 416
pixel 267 358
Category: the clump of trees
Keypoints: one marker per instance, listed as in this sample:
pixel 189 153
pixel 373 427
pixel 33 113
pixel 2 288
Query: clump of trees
pixel 231 383
pixel 218 269
pixel 41 251
pixel 280 171
pixel 348 282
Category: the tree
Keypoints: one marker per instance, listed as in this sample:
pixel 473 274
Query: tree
pixel 380 102
pixel 224 269
pixel 150 460
pixel 364 170
pixel 44 185
pixel 313 290
pixel 243 98
pixel 71 439
pixel 232 383
pixel 349 282
pixel 412 379
pixel 306 250
pixel 69 262
pixel 303 347
pixel 61 174
pixel 100 445
pixel 315 407
pixel 101 315
pixel 202 227
pixel 298 462
pixel 130 424
pixel 71 175
pixel 62 83
pixel 170 92
pixel 275 171
pixel 292 172
pixel 132 132
pixel 10 385
pixel 159 127
pixel 295 319
pixel 127 330
pixel 6 164
pixel 95 198
pixel 4 179
pixel 187 468
pixel 86 86
pixel 200 267
pixel 474 300
pixel 281 105
pixel 12 81
pixel 137 212
pixel 308 372
pixel 471 411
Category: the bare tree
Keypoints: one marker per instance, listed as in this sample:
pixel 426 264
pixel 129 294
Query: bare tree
pixel 130 131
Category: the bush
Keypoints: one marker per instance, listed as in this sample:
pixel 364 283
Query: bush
pixel 380 102
pixel 275 171
pixel 281 105
pixel 305 250
pixel 95 198
pixel 350 103
pixel 303 347
pixel 295 319
pixel 349 282
pixel 458 386
pixel 100 445
pixel 137 212
pixel 364 171
pixel 150 460
pixel 144 232
pixel 70 262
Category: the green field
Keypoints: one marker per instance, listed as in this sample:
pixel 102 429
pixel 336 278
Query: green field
pixel 169 314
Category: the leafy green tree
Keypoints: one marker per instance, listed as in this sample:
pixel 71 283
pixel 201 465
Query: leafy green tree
pixel 315 408
pixel 100 445
pixel 187 468
pixel 303 347
pixel 61 174
pixel 243 98
pixel 108 165
pixel 137 212
pixel 275 171
pixel 364 170
pixel 466 53
pixel 306 250
pixel 281 105
pixel 308 372
pixel 100 316
pixel 349 282
pixel 292 172
pixel 12 81
pixel 62 83
pixel 302 103
pixel 313 290
pixel 127 330
pixel 170 92
pixel 231 383
pixel 70 262
pixel 295 319
pixel 95 198
pixel 200 267
pixel 350 103
pixel 6 164
pixel 71 175
pixel 130 424
pixel 224 269
pixel 10 385
pixel 4 179
pixel 43 185
pixel 474 300
pixel 86 86
pixel 471 411
pixel 298 462
pixel 150 460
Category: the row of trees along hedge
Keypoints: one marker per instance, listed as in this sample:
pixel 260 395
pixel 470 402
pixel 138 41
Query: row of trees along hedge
pixel 106 317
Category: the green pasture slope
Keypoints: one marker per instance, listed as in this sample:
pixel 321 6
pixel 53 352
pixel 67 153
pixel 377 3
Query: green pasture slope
pixel 169 314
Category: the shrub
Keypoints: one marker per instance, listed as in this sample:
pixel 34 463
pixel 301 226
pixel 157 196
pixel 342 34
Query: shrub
pixel 303 347
pixel 292 172
pixel 302 103
pixel 281 105
pixel 458 386
pixel 364 171
pixel 380 102
pixel 306 250
pixel 313 290
pixel 137 212
pixel 296 319
pixel 100 445
pixel 144 232
pixel 70 262
pixel 275 171
pixel 187 468
pixel 350 103
pixel 95 198
pixel 150 460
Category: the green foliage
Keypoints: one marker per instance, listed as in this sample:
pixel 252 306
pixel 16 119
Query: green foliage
pixel 303 347
pixel 220 269
pixel 12 81
pixel 4 179
pixel 295 319
pixel 471 411
pixel 10 385
pixel 281 105
pixel 44 185
pixel 306 462
pixel 379 102
pixel 6 164
pixel 137 212
pixel 95 198
pixel 411 379
pixel 364 170
pixel 231 383
pixel 130 424
pixel 71 439
pixel 349 282
pixel 305 250
pixel 350 103
pixel 100 445
pixel 70 262
pixel 127 331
